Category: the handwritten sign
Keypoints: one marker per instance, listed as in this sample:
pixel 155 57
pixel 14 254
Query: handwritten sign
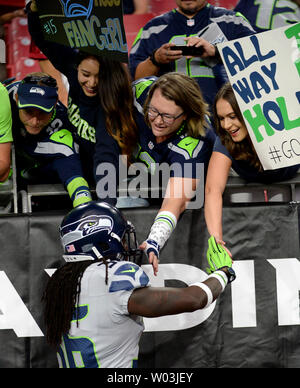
pixel 264 71
pixel 93 26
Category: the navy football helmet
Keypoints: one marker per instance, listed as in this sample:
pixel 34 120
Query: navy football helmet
pixel 96 229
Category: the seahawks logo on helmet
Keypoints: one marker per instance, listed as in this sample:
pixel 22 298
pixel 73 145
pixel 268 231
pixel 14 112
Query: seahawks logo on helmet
pixel 77 8
pixel 87 226
pixel 95 230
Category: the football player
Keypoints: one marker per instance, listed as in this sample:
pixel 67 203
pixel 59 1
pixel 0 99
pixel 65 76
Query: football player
pixel 94 304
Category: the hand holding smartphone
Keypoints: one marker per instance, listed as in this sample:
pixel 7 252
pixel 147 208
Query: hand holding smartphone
pixel 189 50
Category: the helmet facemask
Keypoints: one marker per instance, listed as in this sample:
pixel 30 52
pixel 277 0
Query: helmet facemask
pixel 131 246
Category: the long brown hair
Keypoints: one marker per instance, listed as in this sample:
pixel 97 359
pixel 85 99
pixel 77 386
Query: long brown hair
pixel 117 101
pixel 243 150
pixel 185 92
pixel 116 98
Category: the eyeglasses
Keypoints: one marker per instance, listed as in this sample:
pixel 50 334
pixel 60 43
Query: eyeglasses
pixel 35 79
pixel 166 118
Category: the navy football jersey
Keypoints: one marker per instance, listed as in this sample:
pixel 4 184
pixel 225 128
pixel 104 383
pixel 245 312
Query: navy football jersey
pixel 51 156
pixel 173 27
pixel 269 14
pixel 182 151
pixel 86 114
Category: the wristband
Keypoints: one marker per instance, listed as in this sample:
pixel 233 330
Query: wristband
pixel 153 60
pixel 164 224
pixel 208 292
pixel 221 277
pixel 152 246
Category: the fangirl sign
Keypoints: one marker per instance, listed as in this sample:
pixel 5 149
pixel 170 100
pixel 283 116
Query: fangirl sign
pixel 93 26
pixel 264 71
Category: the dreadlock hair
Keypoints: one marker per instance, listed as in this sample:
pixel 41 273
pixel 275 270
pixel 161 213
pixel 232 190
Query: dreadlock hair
pixel 61 296
pixel 116 98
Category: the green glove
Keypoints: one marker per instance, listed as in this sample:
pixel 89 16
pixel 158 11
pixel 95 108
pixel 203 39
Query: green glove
pixel 217 256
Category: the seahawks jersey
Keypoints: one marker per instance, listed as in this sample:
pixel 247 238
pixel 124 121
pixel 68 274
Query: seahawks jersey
pixel 86 114
pixel 173 27
pixel 104 334
pixel 181 151
pixel 49 157
pixel 5 116
pixel 269 14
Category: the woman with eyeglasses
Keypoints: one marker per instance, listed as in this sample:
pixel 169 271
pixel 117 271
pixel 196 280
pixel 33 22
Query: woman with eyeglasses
pixel 174 130
pixel 233 149
pixel 100 106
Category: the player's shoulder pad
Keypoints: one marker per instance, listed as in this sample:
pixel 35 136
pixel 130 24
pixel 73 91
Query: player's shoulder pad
pixel 141 85
pixel 126 276
pixel 63 136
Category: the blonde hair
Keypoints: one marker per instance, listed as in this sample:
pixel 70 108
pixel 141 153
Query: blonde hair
pixel 186 93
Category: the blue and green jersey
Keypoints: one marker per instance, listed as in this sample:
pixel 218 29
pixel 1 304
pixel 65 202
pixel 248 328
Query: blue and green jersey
pixel 51 156
pixel 266 15
pixel 181 151
pixel 173 27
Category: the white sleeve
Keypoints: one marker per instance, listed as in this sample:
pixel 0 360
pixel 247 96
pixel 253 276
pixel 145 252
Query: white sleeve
pixel 125 278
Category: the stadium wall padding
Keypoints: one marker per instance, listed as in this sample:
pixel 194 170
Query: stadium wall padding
pixel 254 323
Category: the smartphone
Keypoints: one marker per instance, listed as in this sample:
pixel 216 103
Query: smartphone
pixel 189 50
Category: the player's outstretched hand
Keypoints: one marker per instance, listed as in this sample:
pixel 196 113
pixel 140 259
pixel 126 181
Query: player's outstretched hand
pixel 217 256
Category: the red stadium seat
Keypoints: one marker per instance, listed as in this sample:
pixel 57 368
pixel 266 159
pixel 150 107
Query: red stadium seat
pixel 17 27
pixel 13 3
pixel 132 25
pixel 18 49
pixel 160 6
pixel 17 40
pixel 23 67
pixel 229 4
